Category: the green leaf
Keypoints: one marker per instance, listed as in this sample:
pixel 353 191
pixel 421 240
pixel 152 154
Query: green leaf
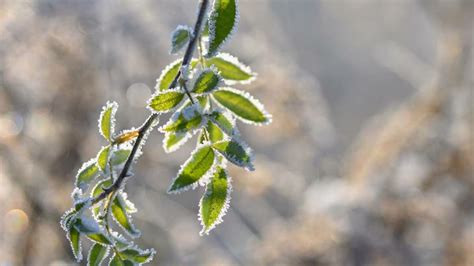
pixel 215 201
pixel 74 238
pixel 163 102
pixel 168 74
pixel 188 119
pixel 120 156
pixel 88 172
pixel 173 141
pixel 231 69
pixel 107 120
pixel 117 261
pixel 215 133
pixel 193 170
pixel 223 21
pixel 180 37
pixel 137 255
pixel 236 152
pixel 203 101
pixel 225 123
pixel 206 81
pixel 97 254
pixel 119 211
pixel 103 158
pixel 99 238
pixel 242 105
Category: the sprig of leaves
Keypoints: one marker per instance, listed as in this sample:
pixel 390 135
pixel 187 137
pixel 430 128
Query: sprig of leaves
pixel 196 91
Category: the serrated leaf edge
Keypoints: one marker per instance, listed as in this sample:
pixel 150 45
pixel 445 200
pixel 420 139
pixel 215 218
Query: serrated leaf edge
pixel 156 94
pixel 247 166
pixel 175 50
pixel 130 221
pixel 103 149
pixel 83 186
pixel 235 61
pixel 165 71
pixel 212 28
pixel 177 145
pixel 107 252
pixel 78 255
pixel 201 181
pixel 114 106
pixel 223 211
pixel 253 100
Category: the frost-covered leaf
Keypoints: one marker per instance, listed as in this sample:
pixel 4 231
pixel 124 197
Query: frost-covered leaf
pixel 242 105
pixel 215 133
pixel 167 75
pixel 97 254
pixel 215 201
pixel 120 156
pixel 186 120
pixel 103 158
pixel 197 167
pixel 231 69
pixel 163 102
pixel 86 226
pixel 88 172
pixel 119 211
pixel 206 81
pixel 223 21
pixel 67 219
pixel 236 152
pixel 138 256
pixel 120 242
pixel 99 187
pixel 74 237
pixel 180 37
pixel 173 141
pixel 224 122
pixel 92 230
pixel 96 191
pixel 107 120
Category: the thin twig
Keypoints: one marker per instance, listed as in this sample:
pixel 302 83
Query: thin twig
pixel 152 118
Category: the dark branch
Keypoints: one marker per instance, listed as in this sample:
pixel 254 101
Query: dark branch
pixel 152 118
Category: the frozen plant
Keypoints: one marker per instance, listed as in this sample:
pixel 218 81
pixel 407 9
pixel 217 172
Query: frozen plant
pixel 197 92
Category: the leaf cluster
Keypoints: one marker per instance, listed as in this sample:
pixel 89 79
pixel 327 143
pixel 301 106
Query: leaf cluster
pixel 197 93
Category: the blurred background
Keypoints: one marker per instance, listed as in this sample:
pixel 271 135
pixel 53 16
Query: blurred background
pixel 369 159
